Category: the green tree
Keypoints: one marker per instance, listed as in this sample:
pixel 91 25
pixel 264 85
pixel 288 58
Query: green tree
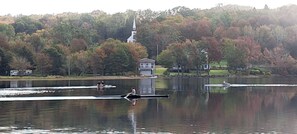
pixel 290 40
pixel 63 32
pixel 265 37
pixel 112 60
pixel 122 60
pixel 197 54
pixel 4 62
pixel 121 57
pixel 179 54
pixel 185 55
pixel 26 24
pixel 235 57
pixel 158 35
pixel 36 41
pixel 117 27
pixel 165 59
pixel 7 30
pixel 146 36
pixel 184 11
pixel 57 58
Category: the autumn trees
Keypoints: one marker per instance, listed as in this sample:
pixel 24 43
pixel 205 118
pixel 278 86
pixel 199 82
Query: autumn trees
pixel 244 38
pixel 69 43
pixel 94 43
pixel 184 55
pixel 112 57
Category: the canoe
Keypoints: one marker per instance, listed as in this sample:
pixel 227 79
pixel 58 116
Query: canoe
pixel 143 96
pixel 109 86
pixel 250 85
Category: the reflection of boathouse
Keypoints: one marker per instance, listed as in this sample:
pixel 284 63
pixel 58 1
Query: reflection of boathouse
pixel 16 84
pixel 147 67
pixel 147 86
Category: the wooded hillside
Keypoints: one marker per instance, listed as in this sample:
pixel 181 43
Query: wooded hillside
pixel 95 43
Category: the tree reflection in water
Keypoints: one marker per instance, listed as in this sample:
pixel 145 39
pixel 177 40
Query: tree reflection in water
pixel 132 117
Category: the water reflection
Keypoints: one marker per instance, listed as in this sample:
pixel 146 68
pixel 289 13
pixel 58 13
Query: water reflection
pixel 132 117
pixel 206 97
pixel 189 109
pixel 50 83
pixel 147 86
pixel 16 84
pixel 177 84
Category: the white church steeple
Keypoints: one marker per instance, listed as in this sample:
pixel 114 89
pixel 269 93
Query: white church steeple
pixel 133 33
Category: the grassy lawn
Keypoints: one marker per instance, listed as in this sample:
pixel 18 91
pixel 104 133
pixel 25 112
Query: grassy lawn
pixel 160 70
pixel 218 72
pixel 222 64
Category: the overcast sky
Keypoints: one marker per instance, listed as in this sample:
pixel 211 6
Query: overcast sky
pixel 27 7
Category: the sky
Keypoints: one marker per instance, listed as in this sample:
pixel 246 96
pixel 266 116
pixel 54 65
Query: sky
pixel 28 7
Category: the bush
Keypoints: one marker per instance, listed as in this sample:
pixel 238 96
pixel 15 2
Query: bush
pixel 259 71
pixel 256 72
pixel 166 73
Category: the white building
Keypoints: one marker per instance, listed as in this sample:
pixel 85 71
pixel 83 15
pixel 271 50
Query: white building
pixel 132 38
pixel 147 67
pixel 20 72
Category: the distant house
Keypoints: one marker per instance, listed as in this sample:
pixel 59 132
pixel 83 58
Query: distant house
pixel 20 73
pixel 14 72
pixel 147 67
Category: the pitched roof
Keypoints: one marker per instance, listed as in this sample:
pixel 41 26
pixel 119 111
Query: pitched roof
pixel 146 60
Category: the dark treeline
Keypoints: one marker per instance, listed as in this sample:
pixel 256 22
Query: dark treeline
pixel 95 43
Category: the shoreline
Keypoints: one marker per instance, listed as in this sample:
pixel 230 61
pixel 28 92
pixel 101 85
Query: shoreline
pixel 35 78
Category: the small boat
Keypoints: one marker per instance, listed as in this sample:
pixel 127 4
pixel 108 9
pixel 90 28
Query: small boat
pixel 154 77
pixel 250 85
pixel 226 84
pixel 109 86
pixel 135 96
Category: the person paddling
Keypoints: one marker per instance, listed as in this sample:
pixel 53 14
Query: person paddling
pixel 226 84
pixel 133 92
pixel 100 85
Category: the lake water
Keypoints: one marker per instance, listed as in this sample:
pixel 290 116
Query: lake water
pixel 190 108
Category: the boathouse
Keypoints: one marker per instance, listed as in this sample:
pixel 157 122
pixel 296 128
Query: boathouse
pixel 147 67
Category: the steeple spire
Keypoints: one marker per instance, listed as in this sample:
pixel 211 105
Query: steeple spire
pixel 134 25
pixel 133 33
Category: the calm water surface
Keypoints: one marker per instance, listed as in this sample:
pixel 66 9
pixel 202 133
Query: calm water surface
pixel 191 107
